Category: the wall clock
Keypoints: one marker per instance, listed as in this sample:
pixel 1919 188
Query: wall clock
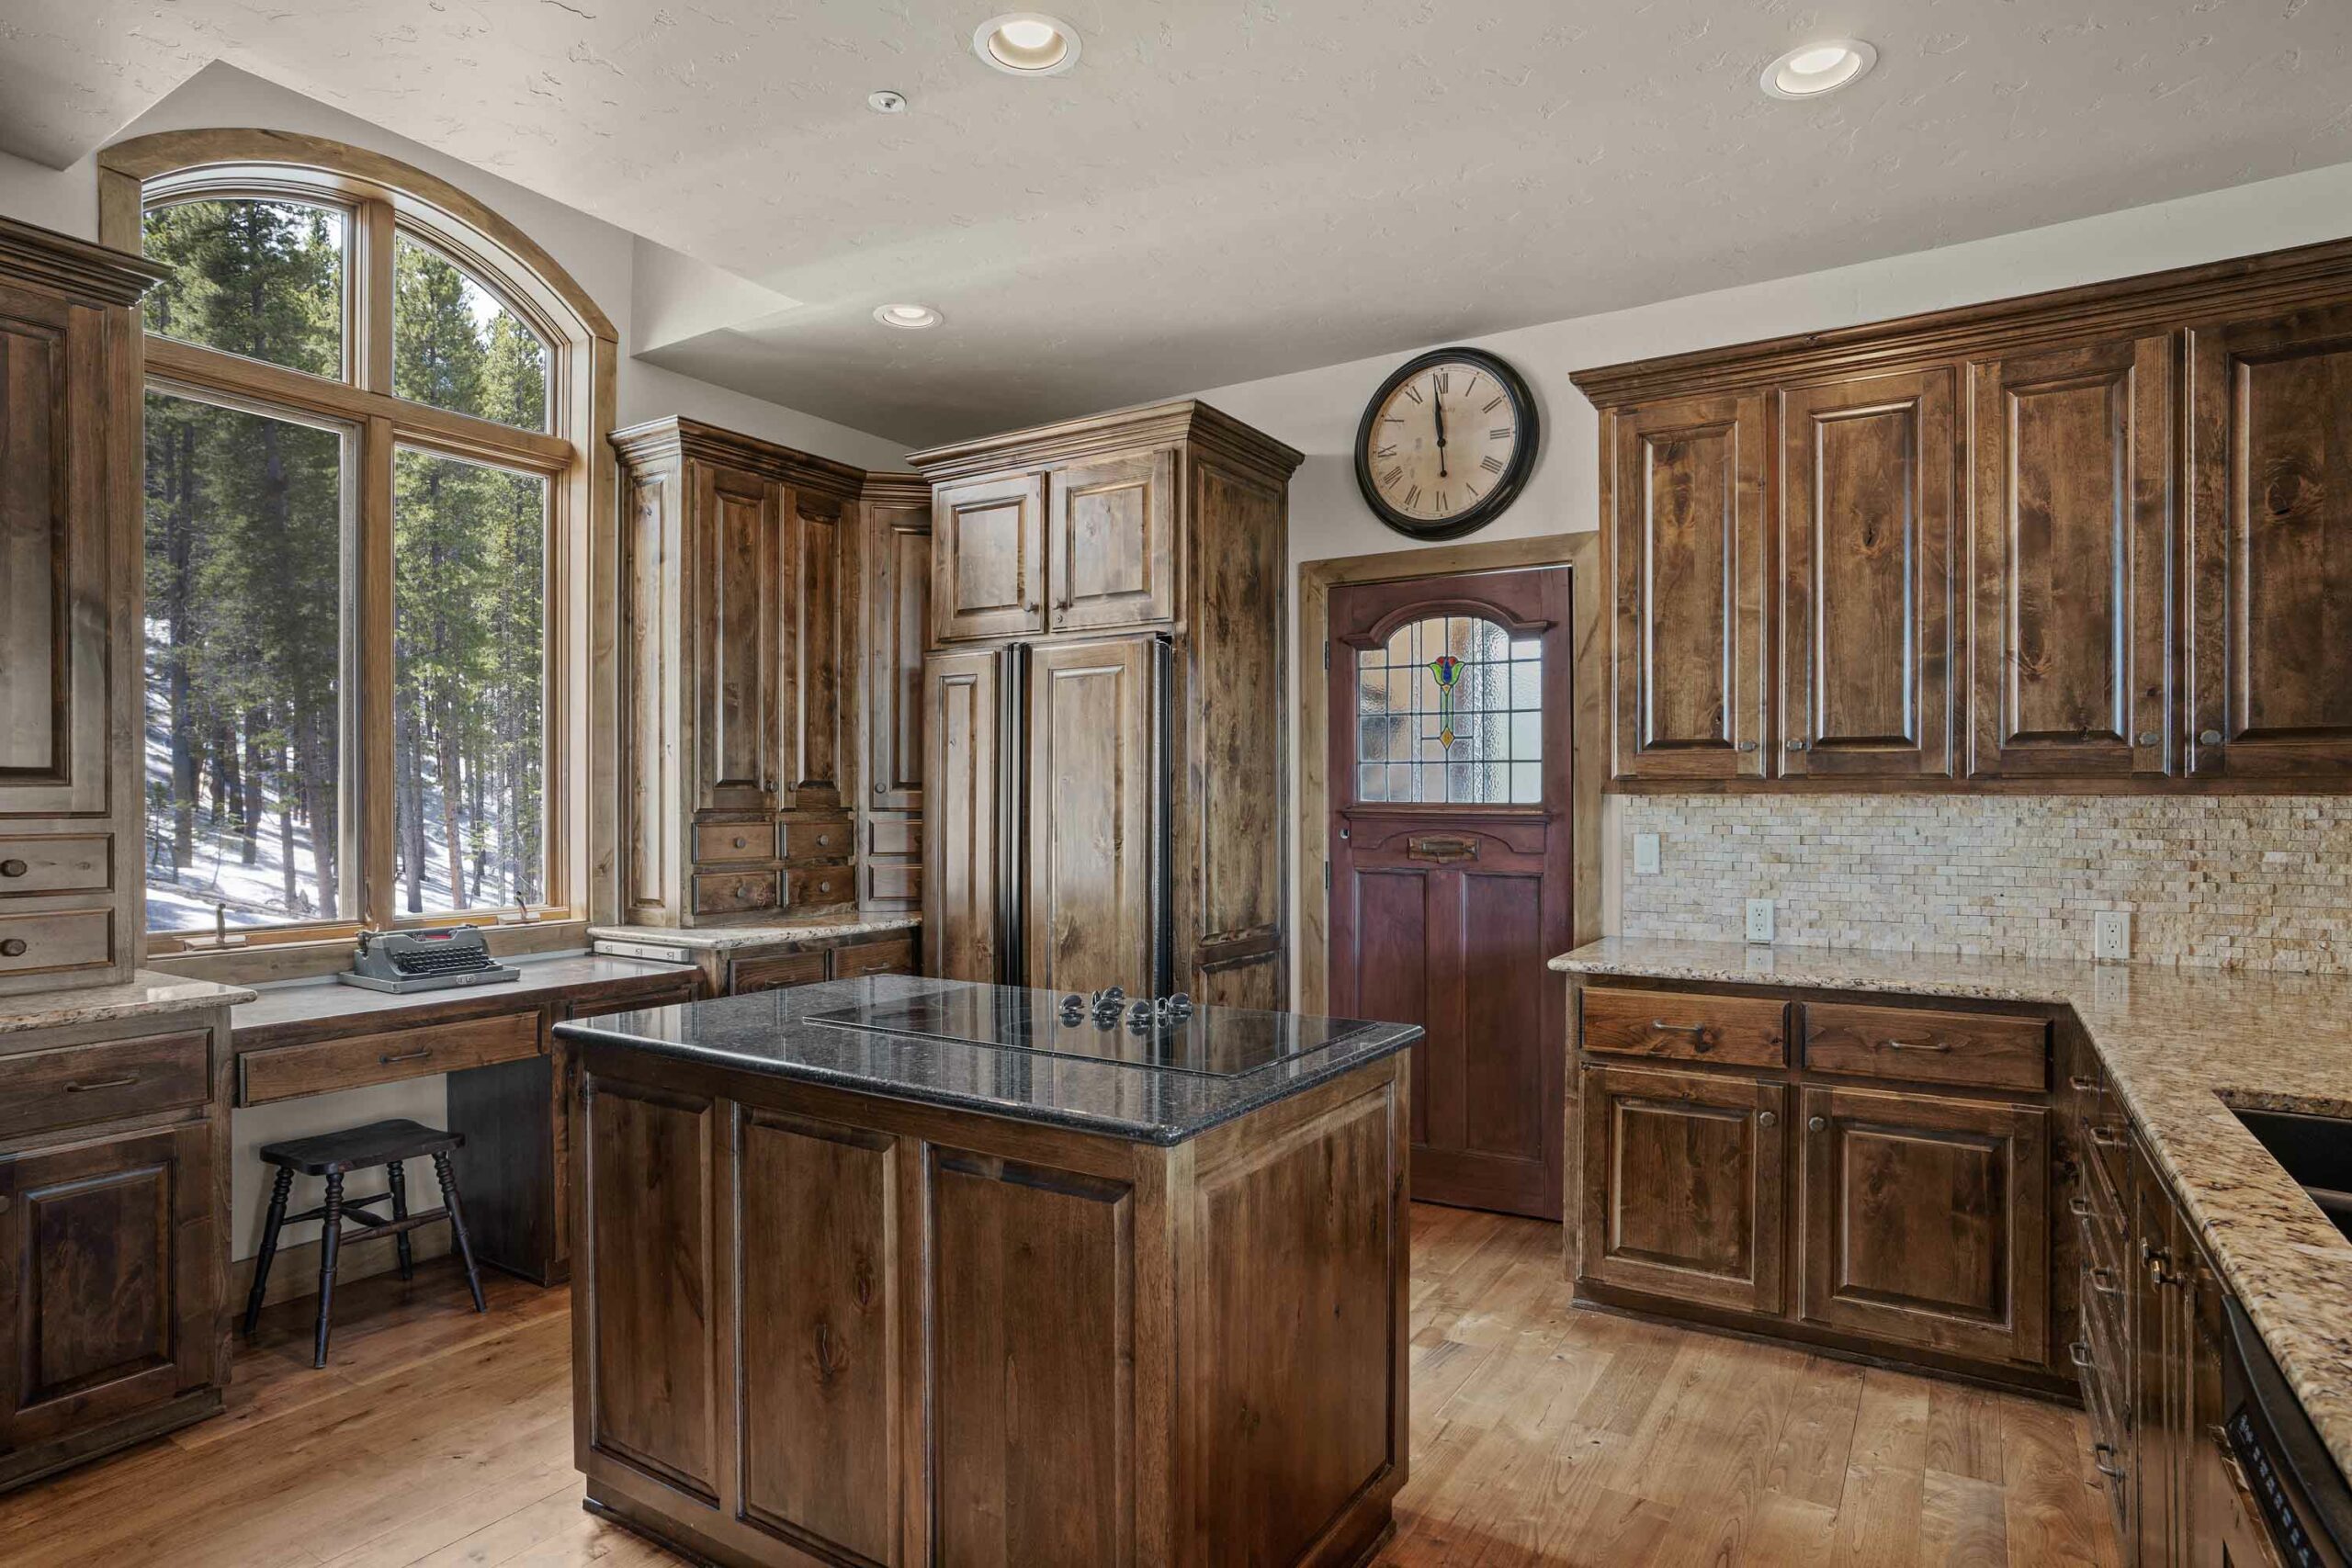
pixel 1446 443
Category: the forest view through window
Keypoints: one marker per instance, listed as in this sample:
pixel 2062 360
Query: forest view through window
pixel 259 561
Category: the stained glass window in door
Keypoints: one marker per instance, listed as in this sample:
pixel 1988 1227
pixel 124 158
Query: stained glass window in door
pixel 1449 711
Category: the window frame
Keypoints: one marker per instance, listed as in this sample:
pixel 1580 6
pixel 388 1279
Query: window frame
pixel 381 200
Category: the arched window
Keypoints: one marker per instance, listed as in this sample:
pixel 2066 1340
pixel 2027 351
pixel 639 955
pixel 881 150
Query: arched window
pixel 1449 711
pixel 372 409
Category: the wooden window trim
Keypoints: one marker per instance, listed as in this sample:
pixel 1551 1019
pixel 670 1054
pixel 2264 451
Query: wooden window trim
pixel 381 198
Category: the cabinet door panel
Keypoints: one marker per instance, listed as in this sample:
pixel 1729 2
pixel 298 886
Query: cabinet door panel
pixel 112 1292
pixel 817 1310
pixel 2269 620
pixel 1687 541
pixel 2070 547
pixel 1110 544
pixel 1927 1220
pixel 987 560
pixel 737 620
pixel 811 713
pixel 1866 517
pixel 1089 732
pixel 1683 1177
pixel 962 738
pixel 899 627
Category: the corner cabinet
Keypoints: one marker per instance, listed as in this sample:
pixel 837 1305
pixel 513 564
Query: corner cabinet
pixel 896 605
pixel 740 675
pixel 2092 537
pixel 70 572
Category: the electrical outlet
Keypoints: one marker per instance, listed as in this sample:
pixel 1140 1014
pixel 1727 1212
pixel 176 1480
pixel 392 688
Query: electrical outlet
pixel 2112 936
pixel 1759 919
pixel 1645 855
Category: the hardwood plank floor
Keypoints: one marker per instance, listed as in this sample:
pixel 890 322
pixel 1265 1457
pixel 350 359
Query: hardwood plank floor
pixel 1541 1435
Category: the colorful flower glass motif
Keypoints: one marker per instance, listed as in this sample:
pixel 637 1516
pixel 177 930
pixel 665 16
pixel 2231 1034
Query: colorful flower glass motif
pixel 1446 671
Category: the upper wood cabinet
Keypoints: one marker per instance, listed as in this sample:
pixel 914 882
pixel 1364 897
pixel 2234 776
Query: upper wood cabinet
pixel 69 575
pixel 2070 552
pixel 2268 627
pixel 1111 543
pixel 2099 537
pixel 1865 516
pixel 987 558
pixel 1685 542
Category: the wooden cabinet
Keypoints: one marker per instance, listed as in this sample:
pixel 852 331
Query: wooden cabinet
pixel 1684 536
pixel 897 600
pixel 1865 516
pixel 1684 1176
pixel 1111 543
pixel 1090 776
pixel 2268 624
pixel 739 669
pixel 2070 563
pixel 987 558
pixel 1926 1221
pixel 69 565
pixel 964 756
pixel 2097 536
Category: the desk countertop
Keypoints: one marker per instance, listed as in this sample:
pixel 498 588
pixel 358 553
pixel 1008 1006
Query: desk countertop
pixel 282 1013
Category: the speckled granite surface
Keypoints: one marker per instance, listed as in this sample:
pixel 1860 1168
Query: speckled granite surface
pixel 2180 1044
pixel 770 1032
pixel 721 938
pixel 146 993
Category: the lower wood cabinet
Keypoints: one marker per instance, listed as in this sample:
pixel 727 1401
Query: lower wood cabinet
pixel 1926 1221
pixel 1683 1181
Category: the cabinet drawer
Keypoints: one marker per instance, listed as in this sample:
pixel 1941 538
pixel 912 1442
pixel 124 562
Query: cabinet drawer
pixel 894 836
pixel 818 885
pixel 74 1085
pixel 1972 1049
pixel 896 956
pixel 1742 1031
pixel 827 839
pixel 76 862
pixel 735 892
pixel 734 840
pixel 892 882
pixel 57 940
pixel 776 971
pixel 284 1072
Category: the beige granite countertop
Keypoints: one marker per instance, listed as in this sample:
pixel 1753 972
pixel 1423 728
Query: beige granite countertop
pixel 721 938
pixel 148 993
pixel 2176 1042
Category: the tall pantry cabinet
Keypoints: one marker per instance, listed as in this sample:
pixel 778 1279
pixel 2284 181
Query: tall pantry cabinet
pixel 1105 707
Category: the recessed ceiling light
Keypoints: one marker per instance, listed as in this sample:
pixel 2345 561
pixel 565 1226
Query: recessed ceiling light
pixel 886 100
pixel 1813 69
pixel 1026 43
pixel 912 318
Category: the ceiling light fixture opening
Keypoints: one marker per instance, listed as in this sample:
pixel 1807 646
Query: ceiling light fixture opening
pixel 1813 69
pixel 886 100
pixel 1026 43
pixel 910 318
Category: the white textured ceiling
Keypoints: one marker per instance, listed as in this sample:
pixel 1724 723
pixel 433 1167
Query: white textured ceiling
pixel 1234 188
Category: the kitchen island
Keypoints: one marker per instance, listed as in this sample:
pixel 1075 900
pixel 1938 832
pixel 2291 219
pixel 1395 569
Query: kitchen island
pixel 900 1270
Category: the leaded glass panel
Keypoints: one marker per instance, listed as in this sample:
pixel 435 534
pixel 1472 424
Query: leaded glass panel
pixel 1449 711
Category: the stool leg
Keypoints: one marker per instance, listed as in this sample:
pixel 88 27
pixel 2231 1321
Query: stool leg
pixel 269 1230
pixel 399 1184
pixel 330 1248
pixel 458 1227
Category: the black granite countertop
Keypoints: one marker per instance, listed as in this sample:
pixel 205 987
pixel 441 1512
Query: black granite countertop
pixel 1192 1082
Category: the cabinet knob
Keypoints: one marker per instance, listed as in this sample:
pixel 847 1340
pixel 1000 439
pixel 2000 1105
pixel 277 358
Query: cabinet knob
pixel 740 841
pixel 823 840
pixel 1747 746
pixel 13 948
pixel 12 868
pixel 1768 1119
pixel 1817 1124
pixel 2208 738
pixel 2150 737
pixel 1797 745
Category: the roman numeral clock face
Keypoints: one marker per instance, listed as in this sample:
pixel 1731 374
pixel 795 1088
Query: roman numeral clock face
pixel 1446 443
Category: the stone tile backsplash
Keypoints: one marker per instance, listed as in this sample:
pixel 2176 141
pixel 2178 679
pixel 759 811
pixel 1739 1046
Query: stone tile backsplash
pixel 2214 881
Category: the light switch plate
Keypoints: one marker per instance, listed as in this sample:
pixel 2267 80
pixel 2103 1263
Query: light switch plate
pixel 1759 919
pixel 2112 936
pixel 1645 855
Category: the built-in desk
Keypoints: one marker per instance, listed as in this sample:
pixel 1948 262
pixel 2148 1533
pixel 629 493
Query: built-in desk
pixel 505 1070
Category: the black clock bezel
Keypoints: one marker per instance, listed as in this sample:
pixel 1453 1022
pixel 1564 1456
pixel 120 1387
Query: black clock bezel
pixel 1488 506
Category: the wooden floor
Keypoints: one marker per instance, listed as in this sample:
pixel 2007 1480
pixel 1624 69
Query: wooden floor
pixel 1539 1435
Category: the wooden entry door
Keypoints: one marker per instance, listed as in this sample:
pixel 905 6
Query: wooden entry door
pixel 1450 872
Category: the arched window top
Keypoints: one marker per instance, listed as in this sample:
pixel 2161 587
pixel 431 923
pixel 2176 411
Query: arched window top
pixel 1449 711
pixel 456 345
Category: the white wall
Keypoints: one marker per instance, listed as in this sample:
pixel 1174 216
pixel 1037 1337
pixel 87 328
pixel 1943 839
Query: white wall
pixel 1316 410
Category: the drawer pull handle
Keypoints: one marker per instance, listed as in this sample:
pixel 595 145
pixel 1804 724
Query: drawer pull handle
pixel 1914 1046
pixel 12 868
pixel 13 948
pixel 2081 1085
pixel 1701 1040
pixel 2103 1282
pixel 2079 1353
pixel 123 1082
pixel 2079 1206
pixel 2106 1136
pixel 405 1056
pixel 2099 1464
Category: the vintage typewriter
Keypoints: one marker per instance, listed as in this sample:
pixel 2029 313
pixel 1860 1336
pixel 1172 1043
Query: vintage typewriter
pixel 424 961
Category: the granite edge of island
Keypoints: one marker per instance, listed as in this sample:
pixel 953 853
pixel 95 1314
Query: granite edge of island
pixel 2182 1045
pixel 1219 1100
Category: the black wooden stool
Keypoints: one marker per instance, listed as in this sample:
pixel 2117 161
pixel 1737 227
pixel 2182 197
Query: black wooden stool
pixel 331 1154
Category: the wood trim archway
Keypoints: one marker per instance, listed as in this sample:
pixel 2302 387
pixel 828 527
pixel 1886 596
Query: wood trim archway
pixel 1580 553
